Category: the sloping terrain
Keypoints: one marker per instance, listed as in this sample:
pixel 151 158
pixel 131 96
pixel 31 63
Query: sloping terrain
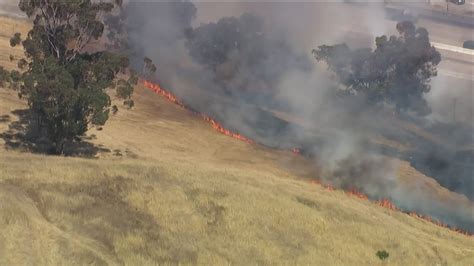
pixel 167 188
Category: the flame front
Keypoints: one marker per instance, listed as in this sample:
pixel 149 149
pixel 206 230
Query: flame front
pixel 158 90
pixel 358 194
pixel 384 203
pixel 168 95
pixel 224 131
pixel 387 204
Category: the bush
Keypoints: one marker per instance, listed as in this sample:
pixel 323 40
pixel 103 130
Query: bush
pixel 4 76
pixel 382 254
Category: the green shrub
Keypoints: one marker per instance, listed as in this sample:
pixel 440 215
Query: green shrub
pixel 4 76
pixel 382 254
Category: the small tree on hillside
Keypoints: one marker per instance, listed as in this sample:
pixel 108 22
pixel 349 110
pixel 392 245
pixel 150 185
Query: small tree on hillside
pixel 398 71
pixel 65 86
pixel 148 67
pixel 4 76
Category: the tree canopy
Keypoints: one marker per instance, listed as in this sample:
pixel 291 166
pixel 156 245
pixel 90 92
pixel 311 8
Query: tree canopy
pixel 241 54
pixel 398 71
pixel 65 78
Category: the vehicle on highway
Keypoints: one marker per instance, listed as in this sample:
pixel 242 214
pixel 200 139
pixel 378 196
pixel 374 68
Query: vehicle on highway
pixel 458 2
pixel 469 44
pixel 400 14
pixel 410 15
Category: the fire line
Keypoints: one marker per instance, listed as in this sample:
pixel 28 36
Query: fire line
pixel 168 95
pixel 384 203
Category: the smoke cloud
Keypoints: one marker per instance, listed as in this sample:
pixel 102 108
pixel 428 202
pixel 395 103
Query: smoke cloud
pixel 265 84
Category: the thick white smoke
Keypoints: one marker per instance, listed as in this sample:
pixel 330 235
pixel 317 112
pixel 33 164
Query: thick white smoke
pixel 340 134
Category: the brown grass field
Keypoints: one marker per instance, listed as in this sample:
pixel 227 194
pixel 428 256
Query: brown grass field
pixel 168 189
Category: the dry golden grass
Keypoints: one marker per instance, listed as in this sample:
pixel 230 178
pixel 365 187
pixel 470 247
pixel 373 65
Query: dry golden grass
pixel 172 190
pixel 181 192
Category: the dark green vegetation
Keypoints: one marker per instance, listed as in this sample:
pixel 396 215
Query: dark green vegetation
pixel 397 72
pixel 65 79
pixel 4 76
pixel 148 67
pixel 212 44
pixel 382 254
pixel 242 55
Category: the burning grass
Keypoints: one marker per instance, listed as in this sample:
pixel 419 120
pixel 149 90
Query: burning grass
pixel 385 203
pixel 217 126
pixel 193 197
pixel 176 193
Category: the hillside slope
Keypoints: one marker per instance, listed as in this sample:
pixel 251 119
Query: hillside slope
pixel 181 192
pixel 167 188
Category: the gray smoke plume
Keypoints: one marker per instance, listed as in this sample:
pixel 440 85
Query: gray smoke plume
pixel 249 66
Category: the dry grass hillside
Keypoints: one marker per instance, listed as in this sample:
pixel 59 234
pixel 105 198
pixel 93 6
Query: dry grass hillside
pixel 167 189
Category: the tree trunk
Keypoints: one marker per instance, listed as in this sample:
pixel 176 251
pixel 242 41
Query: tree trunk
pixel 59 147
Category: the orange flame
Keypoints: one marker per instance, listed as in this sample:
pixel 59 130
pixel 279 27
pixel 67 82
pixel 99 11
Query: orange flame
pixel 429 219
pixel 385 203
pixel 169 96
pixel 358 194
pixel 224 131
pixel 318 182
